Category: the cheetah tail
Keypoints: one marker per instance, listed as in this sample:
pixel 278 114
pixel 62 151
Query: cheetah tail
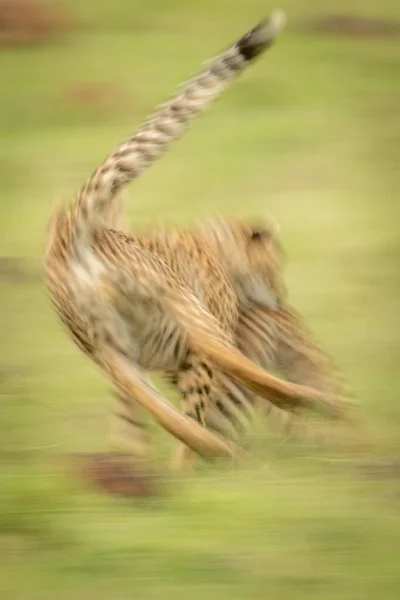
pixel 167 124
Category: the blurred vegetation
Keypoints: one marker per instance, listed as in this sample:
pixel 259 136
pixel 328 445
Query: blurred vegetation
pixel 311 135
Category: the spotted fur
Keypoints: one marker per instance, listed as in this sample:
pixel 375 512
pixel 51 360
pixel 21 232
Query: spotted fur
pixel 269 331
pixel 280 341
pixel 135 304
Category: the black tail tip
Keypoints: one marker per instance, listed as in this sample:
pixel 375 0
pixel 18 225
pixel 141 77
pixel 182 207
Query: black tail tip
pixel 262 35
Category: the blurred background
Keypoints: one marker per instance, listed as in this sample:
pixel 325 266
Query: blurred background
pixel 311 135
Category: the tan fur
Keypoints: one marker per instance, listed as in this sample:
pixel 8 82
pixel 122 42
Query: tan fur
pixel 269 332
pixel 280 341
pixel 135 304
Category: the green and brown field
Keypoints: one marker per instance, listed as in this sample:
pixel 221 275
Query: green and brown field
pixel 311 134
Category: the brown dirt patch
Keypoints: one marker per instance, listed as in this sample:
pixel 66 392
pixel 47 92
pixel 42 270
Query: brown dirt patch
pixel 116 475
pixel 352 26
pixel 31 22
pixel 381 469
pixel 100 97
pixel 17 270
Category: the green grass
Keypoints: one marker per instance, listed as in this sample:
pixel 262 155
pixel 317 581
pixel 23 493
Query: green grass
pixel 311 135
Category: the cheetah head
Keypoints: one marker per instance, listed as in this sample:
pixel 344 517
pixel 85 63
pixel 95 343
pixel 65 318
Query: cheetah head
pixel 253 257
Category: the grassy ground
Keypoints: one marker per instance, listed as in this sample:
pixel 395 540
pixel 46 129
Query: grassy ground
pixel 309 135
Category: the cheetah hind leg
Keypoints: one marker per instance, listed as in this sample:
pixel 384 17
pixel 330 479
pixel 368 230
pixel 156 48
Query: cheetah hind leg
pixel 194 382
pixel 198 383
pixel 133 384
pixel 129 427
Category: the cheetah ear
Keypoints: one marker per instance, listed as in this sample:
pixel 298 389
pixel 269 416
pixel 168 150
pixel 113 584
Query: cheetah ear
pixel 264 230
pixel 273 225
pixel 260 234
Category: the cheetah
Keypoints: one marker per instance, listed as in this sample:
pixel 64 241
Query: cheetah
pixel 134 304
